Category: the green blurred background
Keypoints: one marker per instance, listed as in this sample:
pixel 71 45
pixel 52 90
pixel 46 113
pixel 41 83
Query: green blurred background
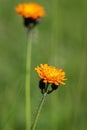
pixel 61 40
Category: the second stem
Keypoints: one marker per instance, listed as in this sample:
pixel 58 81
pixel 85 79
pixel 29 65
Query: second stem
pixel 27 80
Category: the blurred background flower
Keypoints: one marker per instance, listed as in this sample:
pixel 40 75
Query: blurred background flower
pixel 31 12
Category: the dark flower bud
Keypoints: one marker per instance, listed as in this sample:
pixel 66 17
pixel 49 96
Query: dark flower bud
pixel 54 87
pixel 42 86
pixel 31 22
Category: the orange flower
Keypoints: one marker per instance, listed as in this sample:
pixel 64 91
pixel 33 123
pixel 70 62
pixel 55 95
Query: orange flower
pixel 30 10
pixel 50 74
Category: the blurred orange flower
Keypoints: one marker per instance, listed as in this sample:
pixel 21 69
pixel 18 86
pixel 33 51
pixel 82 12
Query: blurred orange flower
pixel 30 10
pixel 50 74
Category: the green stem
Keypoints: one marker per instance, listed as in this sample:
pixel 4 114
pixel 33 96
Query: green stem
pixel 27 82
pixel 38 111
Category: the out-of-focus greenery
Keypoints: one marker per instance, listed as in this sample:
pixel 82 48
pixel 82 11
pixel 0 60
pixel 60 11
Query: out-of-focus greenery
pixel 61 40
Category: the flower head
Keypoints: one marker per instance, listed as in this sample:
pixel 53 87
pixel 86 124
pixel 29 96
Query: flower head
pixel 49 74
pixel 31 12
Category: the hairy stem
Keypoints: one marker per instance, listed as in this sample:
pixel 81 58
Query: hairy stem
pixel 38 111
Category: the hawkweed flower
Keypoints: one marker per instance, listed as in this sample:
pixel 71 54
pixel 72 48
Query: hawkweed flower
pixel 50 75
pixel 31 13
